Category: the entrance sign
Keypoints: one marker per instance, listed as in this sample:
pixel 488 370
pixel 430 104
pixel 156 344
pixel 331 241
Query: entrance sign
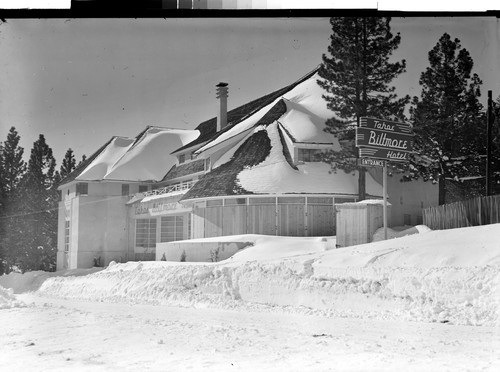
pixel 371 162
pixel 385 140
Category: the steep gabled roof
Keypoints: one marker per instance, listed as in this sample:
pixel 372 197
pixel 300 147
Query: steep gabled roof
pixel 208 128
pixel 263 165
pixel 142 158
pixel 84 164
pixel 222 180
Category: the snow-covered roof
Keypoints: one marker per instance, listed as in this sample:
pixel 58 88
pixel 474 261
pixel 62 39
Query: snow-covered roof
pixel 149 158
pixel 275 175
pixel 261 164
pixel 303 116
pixel 143 158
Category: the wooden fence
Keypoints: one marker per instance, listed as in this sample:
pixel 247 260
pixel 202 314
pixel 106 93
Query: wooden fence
pixel 478 211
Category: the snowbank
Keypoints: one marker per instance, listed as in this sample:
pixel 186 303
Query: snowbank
pixel 8 299
pixel 32 280
pixel 440 276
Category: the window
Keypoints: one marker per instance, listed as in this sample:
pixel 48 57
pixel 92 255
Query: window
pixel 237 201
pixel 145 233
pixel 344 200
pixel 309 155
pixel 407 219
pixel 82 188
pixel 257 201
pixel 420 220
pixel 207 164
pixel 66 236
pixel 143 188
pixel 172 228
pixel 319 200
pixel 214 203
pixel 291 200
pixel 182 158
pixel 193 156
pixel 125 189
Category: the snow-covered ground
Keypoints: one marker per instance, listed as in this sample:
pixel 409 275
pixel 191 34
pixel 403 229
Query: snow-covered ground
pixel 428 301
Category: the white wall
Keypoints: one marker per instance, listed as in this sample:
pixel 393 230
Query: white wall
pixel 197 251
pixel 98 225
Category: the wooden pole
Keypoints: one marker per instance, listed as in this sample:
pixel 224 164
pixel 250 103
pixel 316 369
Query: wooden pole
pixel 384 191
pixel 488 143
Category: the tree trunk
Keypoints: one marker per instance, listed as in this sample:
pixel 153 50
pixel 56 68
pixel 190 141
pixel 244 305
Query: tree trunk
pixel 442 190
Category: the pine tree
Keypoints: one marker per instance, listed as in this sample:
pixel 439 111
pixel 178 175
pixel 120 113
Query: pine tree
pixel 68 164
pixel 356 76
pixel 449 121
pixel 38 207
pixel 12 168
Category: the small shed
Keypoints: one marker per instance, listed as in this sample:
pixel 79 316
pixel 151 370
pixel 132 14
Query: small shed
pixel 357 222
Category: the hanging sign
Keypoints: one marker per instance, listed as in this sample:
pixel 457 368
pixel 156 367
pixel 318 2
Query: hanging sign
pixel 384 140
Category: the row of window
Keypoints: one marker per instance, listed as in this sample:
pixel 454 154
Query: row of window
pixel 317 200
pixel 82 188
pixel 171 229
pixel 309 155
pixel 182 157
pixel 303 155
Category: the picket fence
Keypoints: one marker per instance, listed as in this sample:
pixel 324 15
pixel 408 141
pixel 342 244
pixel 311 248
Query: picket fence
pixel 477 211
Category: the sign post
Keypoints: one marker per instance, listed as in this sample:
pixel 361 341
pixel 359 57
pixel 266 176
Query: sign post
pixel 380 141
pixel 384 191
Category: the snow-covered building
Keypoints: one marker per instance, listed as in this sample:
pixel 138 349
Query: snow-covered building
pixel 251 169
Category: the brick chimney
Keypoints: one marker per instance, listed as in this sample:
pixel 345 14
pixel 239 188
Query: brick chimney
pixel 221 94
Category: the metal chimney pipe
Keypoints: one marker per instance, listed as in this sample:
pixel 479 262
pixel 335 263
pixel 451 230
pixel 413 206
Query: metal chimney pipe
pixel 221 94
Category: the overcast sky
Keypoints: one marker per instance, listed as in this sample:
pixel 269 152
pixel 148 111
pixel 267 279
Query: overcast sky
pixel 81 81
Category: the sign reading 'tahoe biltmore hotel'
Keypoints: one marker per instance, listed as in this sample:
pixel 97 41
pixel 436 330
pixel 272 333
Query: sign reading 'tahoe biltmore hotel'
pixel 383 139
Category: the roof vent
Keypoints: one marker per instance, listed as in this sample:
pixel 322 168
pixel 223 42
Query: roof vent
pixel 221 94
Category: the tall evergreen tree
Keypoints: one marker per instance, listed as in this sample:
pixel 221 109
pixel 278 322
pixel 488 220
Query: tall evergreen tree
pixel 356 76
pixel 12 168
pixel 38 208
pixel 68 164
pixel 449 121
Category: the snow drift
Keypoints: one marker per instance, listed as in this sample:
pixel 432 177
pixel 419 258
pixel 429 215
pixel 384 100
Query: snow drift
pixel 450 276
pixel 8 299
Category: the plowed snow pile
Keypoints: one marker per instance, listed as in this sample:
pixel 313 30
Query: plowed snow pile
pixel 438 276
pixel 8 300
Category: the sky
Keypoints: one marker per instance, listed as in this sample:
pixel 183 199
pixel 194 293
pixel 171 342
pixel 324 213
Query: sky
pixel 81 81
